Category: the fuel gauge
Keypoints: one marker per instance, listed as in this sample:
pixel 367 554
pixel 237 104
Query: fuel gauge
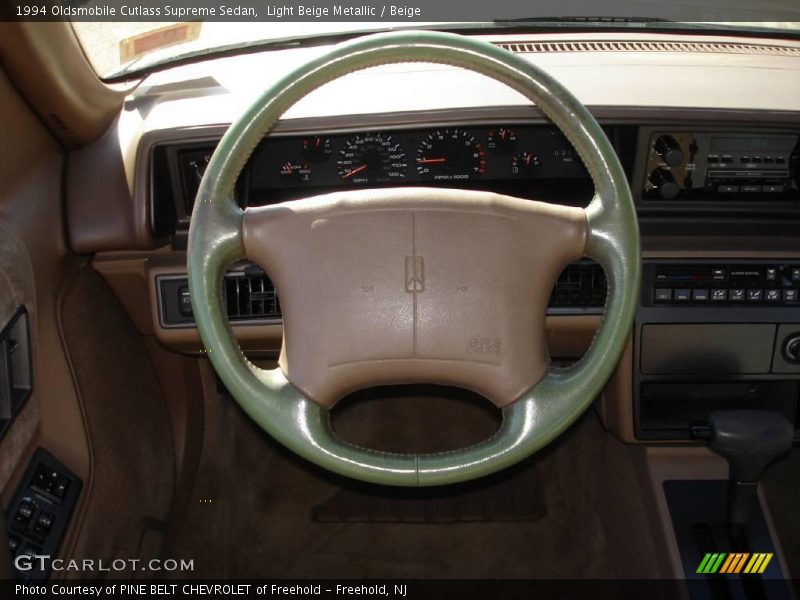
pixel 525 164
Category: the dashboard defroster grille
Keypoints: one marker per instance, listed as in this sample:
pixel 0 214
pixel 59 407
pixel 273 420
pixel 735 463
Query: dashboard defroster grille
pixel 649 46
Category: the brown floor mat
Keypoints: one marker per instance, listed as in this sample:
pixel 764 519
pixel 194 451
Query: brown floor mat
pixel 506 498
pixel 253 504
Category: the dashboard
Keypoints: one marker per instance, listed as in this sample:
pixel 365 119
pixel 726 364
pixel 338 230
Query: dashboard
pixel 714 171
pixel 698 178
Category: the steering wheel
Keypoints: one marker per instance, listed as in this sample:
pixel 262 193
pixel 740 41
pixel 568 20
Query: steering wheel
pixel 414 285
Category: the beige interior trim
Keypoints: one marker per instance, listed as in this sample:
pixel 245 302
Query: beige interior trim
pixel 49 69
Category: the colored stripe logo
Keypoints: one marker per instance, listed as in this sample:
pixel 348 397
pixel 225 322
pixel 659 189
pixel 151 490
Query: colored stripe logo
pixel 734 562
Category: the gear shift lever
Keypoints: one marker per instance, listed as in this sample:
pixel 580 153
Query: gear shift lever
pixel 749 440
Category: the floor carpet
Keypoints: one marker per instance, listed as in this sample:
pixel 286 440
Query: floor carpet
pixel 254 508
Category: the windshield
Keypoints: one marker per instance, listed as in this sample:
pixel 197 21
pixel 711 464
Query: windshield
pixel 119 48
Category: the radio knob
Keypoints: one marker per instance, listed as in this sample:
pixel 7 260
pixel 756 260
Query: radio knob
pixel 669 150
pixel 664 182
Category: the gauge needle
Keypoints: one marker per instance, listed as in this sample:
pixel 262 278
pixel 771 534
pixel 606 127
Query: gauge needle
pixel 354 171
pixel 427 161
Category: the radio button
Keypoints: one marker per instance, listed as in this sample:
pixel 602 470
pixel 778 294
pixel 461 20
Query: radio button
pixel 683 295
pixel 780 160
pixel 773 189
pixel 719 295
pixel 727 159
pixel 773 295
pixel 751 189
pixel 700 295
pixel 756 159
pixel 755 295
pixel 768 160
pixel 728 189
pixel 736 295
pixel 663 295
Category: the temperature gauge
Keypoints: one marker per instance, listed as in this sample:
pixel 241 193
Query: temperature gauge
pixel 317 148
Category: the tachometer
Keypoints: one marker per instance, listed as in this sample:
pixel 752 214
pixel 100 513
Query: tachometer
pixel 371 158
pixel 450 154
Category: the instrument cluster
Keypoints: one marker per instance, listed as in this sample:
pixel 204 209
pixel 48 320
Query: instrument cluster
pixel 446 155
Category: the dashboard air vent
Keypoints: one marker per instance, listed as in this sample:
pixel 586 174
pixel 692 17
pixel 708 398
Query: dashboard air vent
pixel 645 46
pixel 250 297
pixel 580 285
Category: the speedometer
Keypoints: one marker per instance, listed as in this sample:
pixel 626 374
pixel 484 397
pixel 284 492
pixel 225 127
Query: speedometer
pixel 371 158
pixel 450 154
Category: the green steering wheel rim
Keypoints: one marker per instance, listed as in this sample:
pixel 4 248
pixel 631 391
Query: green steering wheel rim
pixel 532 421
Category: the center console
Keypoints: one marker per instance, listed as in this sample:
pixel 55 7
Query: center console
pixel 714 335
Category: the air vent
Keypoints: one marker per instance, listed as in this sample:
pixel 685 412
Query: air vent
pixel 581 285
pixel 250 297
pixel 645 46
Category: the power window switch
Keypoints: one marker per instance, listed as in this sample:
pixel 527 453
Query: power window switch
pixel 45 522
pixel 24 512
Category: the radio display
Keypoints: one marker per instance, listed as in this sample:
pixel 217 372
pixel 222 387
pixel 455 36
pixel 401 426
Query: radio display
pixel 752 144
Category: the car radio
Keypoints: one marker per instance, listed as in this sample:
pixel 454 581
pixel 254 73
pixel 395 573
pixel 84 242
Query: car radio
pixel 722 166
